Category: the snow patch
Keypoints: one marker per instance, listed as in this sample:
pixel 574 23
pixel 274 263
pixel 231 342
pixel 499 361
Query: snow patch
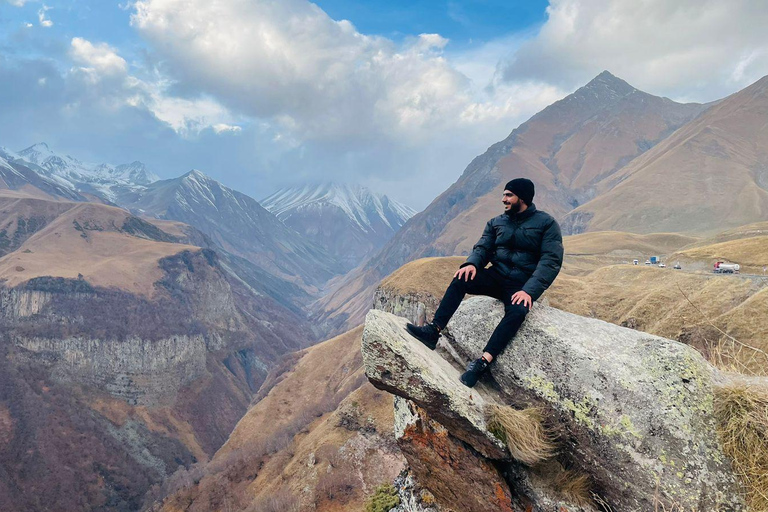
pixel 363 208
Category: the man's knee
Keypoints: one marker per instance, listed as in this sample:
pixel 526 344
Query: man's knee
pixel 459 284
pixel 516 310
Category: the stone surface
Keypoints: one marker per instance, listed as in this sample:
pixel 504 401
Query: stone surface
pixel 637 409
pixel 412 497
pixel 398 363
pixel 411 306
pixel 455 474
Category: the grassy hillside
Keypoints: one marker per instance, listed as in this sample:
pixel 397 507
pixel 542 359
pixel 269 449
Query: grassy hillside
pixel 107 246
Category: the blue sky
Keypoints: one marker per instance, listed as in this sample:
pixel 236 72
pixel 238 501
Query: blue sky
pixel 262 94
pixel 464 23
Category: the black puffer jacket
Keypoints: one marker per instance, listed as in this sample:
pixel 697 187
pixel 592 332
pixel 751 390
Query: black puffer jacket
pixel 525 247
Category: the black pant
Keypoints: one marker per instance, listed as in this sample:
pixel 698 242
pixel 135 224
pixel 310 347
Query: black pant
pixel 486 282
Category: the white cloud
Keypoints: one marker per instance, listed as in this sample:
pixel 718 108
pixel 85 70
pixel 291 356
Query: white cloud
pixel 688 49
pixel 224 128
pixel 429 42
pixel 315 78
pixel 188 117
pixel 100 58
pixel 41 16
pixel 104 74
pixel 17 3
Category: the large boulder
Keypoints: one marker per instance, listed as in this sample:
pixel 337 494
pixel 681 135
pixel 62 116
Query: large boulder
pixel 450 457
pixel 637 409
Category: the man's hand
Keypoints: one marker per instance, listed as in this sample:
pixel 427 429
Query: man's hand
pixel 522 298
pixel 466 273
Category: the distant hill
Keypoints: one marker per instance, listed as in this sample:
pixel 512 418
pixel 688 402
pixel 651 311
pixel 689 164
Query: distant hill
pixel 16 176
pixel 233 221
pixel 349 221
pixel 105 245
pixel 710 175
pixel 103 180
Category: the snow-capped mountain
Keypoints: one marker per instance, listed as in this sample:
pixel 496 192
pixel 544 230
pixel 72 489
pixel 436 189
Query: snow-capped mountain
pixel 14 175
pixel 349 221
pixel 237 223
pixel 104 180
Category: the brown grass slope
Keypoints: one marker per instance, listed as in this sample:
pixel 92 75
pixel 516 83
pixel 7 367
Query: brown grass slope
pixel 565 149
pixel 710 175
pixel 590 251
pixel 85 239
pixel 320 438
pixel 745 245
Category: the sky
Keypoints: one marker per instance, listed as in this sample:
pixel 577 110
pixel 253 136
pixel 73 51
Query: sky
pixel 397 96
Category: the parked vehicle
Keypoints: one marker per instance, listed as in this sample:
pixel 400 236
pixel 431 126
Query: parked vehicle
pixel 654 260
pixel 677 266
pixel 647 262
pixel 635 262
pixel 661 265
pixel 726 268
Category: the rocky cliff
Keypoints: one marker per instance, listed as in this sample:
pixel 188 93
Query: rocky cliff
pixel 632 415
pixel 126 388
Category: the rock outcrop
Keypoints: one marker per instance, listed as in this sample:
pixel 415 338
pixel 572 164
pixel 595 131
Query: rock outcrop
pixel 138 371
pixel 458 475
pixel 634 412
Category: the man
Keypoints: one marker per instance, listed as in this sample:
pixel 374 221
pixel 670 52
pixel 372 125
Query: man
pixel 525 248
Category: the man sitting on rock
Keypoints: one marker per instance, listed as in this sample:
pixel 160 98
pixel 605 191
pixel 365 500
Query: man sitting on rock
pixel 525 248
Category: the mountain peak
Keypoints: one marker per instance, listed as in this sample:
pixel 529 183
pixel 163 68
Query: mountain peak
pixel 37 152
pixel 196 174
pixel 610 83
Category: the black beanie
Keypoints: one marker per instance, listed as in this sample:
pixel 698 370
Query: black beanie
pixel 522 188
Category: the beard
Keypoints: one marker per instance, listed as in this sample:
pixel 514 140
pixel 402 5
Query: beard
pixel 514 207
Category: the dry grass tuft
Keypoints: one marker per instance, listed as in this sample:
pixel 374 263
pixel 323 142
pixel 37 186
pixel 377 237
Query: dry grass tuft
pixel 572 485
pixel 524 433
pixel 742 414
pixel 575 486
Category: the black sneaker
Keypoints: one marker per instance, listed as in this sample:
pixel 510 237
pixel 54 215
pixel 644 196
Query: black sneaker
pixel 427 334
pixel 475 369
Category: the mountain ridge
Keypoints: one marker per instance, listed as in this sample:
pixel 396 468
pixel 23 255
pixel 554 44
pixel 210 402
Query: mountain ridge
pixel 710 175
pixel 349 221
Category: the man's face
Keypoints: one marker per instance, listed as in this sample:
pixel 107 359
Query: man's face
pixel 511 202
